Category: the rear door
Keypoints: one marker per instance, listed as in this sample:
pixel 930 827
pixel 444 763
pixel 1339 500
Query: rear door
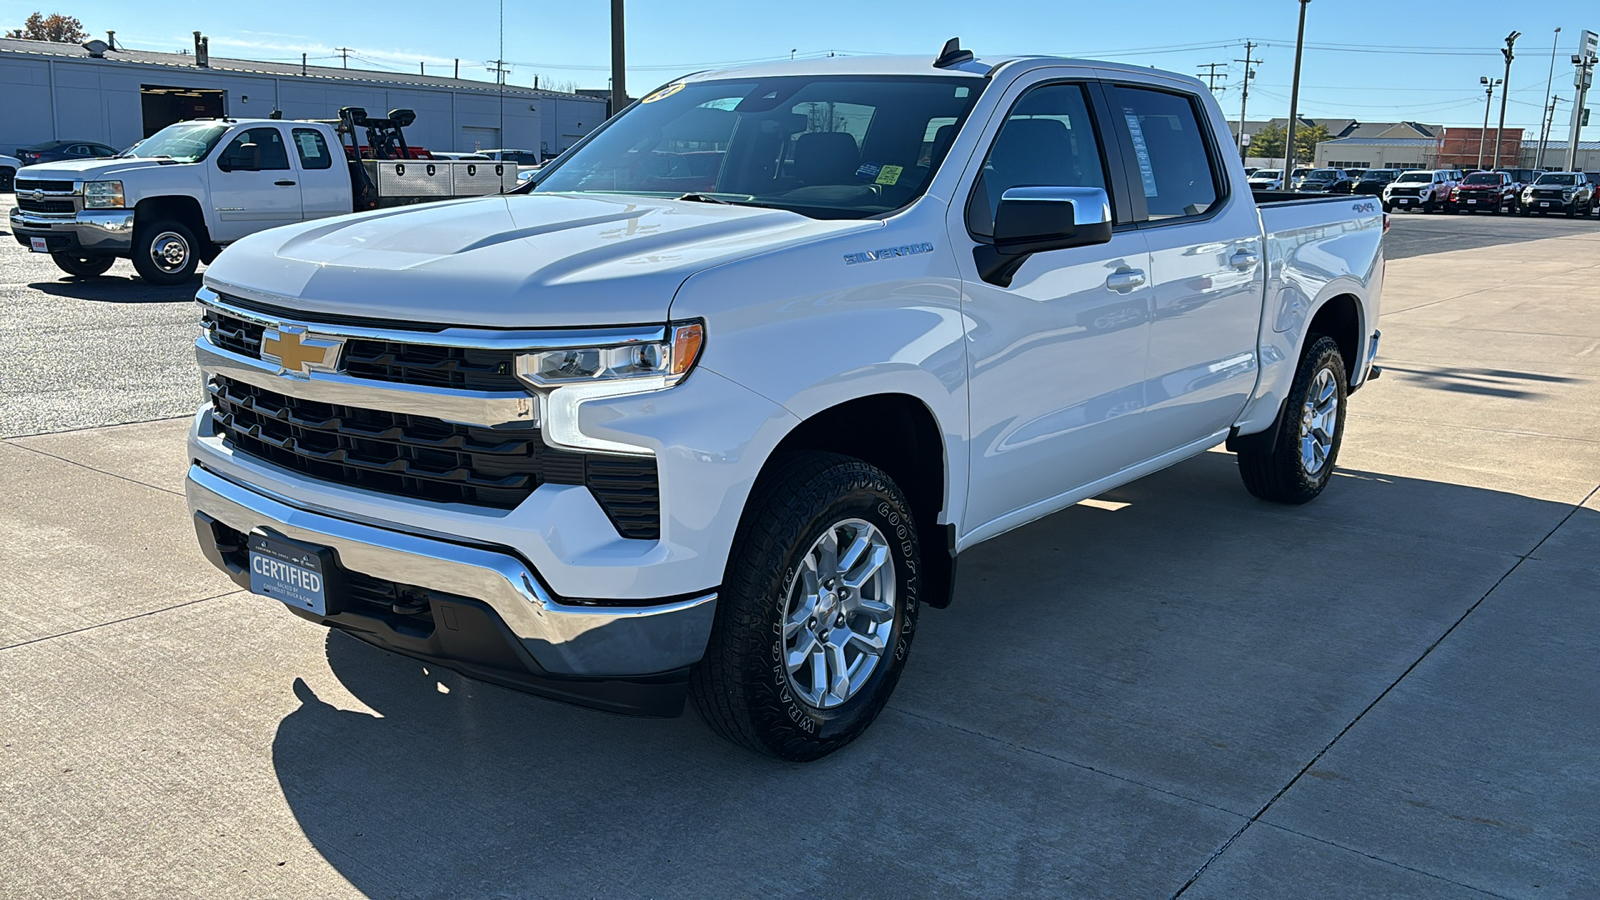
pixel 253 189
pixel 1056 358
pixel 324 180
pixel 1205 262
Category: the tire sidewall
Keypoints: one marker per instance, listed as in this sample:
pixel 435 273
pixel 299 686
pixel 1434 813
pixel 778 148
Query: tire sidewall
pixel 146 266
pixel 776 710
pixel 1324 354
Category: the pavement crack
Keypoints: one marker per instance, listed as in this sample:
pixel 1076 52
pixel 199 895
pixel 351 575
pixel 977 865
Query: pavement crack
pixel 1387 862
pixel 81 465
pixel 153 612
pixel 1376 700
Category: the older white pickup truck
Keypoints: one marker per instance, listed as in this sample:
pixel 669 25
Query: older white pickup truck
pixel 713 405
pixel 179 196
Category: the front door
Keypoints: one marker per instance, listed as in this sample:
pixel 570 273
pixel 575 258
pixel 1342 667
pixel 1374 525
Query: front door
pixel 1055 359
pixel 253 186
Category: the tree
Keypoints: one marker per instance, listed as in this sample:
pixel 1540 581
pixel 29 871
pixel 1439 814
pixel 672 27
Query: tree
pixel 1266 143
pixel 1306 140
pixel 54 27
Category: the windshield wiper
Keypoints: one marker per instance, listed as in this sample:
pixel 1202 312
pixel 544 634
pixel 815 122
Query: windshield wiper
pixel 704 198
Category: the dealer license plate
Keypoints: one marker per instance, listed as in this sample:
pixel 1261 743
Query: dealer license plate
pixel 1544 203
pixel 38 245
pixel 288 573
pixel 1472 201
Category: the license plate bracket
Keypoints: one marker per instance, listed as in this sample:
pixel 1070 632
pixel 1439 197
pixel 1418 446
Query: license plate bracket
pixel 298 574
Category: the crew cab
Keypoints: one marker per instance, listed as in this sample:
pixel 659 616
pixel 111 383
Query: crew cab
pixel 1424 189
pixel 1484 192
pixel 711 407
pixel 181 195
pixel 1568 192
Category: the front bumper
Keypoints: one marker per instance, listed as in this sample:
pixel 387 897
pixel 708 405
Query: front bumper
pixel 89 231
pixel 589 653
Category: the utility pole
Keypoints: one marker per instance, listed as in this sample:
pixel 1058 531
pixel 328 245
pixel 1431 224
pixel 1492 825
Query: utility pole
pixel 1489 84
pixel 1294 95
pixel 619 74
pixel 302 64
pixel 1546 126
pixel 1244 99
pixel 1583 63
pixel 458 67
pixel 343 52
pixel 1511 40
pixel 500 69
pixel 1212 75
pixel 1549 82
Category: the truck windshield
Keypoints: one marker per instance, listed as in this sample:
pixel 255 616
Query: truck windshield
pixel 1378 175
pixel 1412 177
pixel 1556 178
pixel 184 142
pixel 1321 175
pixel 1483 178
pixel 822 146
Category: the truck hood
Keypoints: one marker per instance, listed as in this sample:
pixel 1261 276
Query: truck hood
pixel 532 260
pixel 91 169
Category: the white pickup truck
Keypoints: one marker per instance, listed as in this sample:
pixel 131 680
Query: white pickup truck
pixel 178 197
pixel 712 406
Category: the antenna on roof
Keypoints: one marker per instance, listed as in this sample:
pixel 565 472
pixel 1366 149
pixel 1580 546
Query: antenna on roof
pixel 952 54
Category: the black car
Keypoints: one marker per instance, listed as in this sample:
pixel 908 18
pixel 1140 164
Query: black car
pixel 1373 181
pixel 1325 181
pixel 57 151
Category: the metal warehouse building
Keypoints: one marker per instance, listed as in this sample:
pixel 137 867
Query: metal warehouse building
pixel 52 91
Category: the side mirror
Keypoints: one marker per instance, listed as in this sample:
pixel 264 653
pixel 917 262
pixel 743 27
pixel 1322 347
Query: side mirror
pixel 1033 220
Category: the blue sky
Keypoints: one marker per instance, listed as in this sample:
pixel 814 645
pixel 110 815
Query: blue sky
pixel 1365 61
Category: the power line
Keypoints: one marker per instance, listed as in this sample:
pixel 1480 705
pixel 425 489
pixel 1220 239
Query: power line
pixel 1212 75
pixel 344 52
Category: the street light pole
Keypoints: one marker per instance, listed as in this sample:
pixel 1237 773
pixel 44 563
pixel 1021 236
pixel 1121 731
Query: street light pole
pixel 1511 39
pixel 1294 96
pixel 619 74
pixel 1583 76
pixel 1488 101
pixel 1549 82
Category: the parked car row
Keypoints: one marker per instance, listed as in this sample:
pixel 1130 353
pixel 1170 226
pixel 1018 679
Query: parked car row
pixel 1509 190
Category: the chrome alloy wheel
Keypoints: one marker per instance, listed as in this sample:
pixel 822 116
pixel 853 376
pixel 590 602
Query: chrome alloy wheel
pixel 839 614
pixel 1319 419
pixel 169 251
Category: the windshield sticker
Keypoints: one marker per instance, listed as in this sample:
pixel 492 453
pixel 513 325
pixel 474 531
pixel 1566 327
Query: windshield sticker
pixel 665 92
pixel 869 170
pixel 867 256
pixel 889 174
pixel 1141 151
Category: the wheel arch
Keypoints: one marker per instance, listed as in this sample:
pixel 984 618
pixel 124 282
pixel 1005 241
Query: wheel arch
pixel 898 433
pixel 1339 317
pixel 180 207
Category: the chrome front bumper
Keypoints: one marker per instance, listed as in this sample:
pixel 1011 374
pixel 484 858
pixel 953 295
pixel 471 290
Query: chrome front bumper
pixel 99 231
pixel 564 639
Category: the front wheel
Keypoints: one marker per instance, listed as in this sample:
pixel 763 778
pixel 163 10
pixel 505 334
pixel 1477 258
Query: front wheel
pixel 817 612
pixel 1309 433
pixel 83 265
pixel 164 253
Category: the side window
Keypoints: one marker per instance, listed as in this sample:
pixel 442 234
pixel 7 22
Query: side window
pixel 313 149
pixel 269 141
pixel 1048 140
pixel 1176 169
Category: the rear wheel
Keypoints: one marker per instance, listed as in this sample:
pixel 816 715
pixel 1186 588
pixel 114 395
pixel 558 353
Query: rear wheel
pixel 164 252
pixel 1309 433
pixel 818 609
pixel 83 265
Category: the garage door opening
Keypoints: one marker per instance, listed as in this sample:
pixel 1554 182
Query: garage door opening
pixel 165 105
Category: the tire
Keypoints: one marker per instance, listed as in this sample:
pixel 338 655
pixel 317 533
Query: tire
pixel 1284 475
pixel 8 179
pixel 165 252
pixel 83 265
pixel 744 687
pixel 1428 207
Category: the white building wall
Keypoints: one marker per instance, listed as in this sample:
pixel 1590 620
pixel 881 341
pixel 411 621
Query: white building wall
pixel 43 99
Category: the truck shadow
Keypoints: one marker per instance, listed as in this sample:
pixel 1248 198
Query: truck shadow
pixel 1505 383
pixel 114 288
pixel 1208 670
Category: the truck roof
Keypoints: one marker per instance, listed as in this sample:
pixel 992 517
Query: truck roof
pixel 916 65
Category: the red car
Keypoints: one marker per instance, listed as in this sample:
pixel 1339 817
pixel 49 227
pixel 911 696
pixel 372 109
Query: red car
pixel 1485 191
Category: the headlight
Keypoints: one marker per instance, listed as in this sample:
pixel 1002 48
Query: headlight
pixel 567 377
pixel 103 195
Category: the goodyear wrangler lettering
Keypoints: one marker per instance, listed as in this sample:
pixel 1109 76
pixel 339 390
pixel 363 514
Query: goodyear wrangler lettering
pixel 866 256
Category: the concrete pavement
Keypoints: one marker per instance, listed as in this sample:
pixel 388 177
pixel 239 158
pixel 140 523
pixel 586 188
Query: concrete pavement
pixel 1177 690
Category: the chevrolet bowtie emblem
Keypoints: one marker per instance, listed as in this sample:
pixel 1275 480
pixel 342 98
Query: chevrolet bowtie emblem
pixel 298 352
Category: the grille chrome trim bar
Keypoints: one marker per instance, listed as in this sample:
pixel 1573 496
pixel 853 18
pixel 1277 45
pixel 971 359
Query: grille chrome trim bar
pixel 484 409
pixel 473 338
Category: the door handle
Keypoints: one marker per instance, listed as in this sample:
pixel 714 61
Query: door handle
pixel 284 183
pixel 1244 259
pixel 1125 280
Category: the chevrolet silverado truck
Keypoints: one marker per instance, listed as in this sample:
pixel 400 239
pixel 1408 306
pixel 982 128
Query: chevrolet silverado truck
pixel 178 197
pixel 711 407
